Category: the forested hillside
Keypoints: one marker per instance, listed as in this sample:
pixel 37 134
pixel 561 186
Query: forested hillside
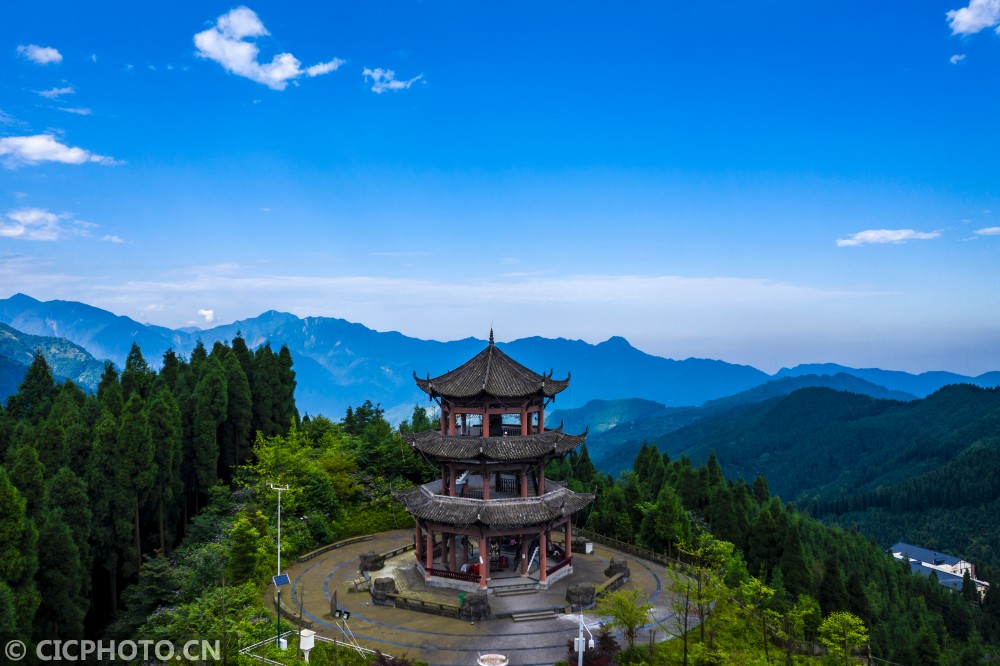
pixel 664 505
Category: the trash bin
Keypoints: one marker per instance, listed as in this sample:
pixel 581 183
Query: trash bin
pixel 461 598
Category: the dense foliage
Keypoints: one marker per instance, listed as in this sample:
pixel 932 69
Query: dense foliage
pixel 665 505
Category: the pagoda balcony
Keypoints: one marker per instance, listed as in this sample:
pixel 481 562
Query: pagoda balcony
pixel 506 430
pixel 509 487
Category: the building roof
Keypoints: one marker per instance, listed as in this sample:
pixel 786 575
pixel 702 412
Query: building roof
pixel 508 449
pixel 493 373
pixel 496 513
pixel 945 578
pixel 925 555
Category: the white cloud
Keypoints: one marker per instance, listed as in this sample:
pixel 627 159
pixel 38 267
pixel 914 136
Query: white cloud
pixel 957 58
pixel 881 236
pixel 41 55
pixel 208 314
pixel 226 44
pixel 978 15
pixel 53 93
pixel 111 238
pixel 21 150
pixel 989 231
pixel 93 57
pixel 76 110
pixel 31 224
pixel 7 119
pixel 385 79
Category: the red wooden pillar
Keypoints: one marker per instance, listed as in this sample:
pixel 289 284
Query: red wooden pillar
pixel 486 483
pixel 444 420
pixel 416 541
pixel 524 480
pixel 429 553
pixel 541 419
pixel 484 560
pixel 569 540
pixel 451 480
pixel 541 478
pixel 486 420
pixel 465 425
pixel 524 554
pixel 451 423
pixel 444 479
pixel 524 421
pixel 543 563
pixel 451 553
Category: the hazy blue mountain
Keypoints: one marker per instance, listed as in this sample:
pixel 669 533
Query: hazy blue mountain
pixel 67 360
pixel 612 448
pixel 920 385
pixel 340 363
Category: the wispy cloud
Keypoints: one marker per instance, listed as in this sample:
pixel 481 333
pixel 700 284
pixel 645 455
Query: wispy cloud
pixel 80 111
pixel 957 58
pixel 988 231
pixel 385 79
pixel 227 44
pixel 111 238
pixel 29 150
pixel 53 93
pixel 979 14
pixel 32 224
pixel 883 236
pixel 207 314
pixel 41 55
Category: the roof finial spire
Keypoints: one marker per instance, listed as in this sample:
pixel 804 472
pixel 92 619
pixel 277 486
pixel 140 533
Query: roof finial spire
pixel 491 335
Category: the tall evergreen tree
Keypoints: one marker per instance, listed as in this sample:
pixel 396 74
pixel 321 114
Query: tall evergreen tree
pixel 34 396
pixel 136 377
pixel 135 450
pixel 210 402
pixel 239 414
pixel 18 559
pixel 60 582
pixel 109 501
pixel 28 474
pixel 109 390
pixel 166 433
pixel 68 495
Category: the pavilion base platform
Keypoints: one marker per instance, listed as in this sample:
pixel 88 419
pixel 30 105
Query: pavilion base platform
pixel 509 592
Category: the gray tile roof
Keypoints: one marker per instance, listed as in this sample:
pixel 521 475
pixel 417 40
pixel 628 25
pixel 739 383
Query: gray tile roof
pixel 507 449
pixel 925 554
pixel 491 372
pixel 497 513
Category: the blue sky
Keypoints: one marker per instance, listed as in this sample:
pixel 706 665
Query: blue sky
pixel 768 183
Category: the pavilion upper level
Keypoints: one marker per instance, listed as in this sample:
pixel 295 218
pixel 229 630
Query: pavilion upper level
pixel 490 374
pixel 510 449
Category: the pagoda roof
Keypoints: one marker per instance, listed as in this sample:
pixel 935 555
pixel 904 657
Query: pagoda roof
pixel 506 448
pixel 491 372
pixel 497 513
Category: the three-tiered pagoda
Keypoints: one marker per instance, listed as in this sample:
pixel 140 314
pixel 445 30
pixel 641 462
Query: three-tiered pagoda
pixel 493 511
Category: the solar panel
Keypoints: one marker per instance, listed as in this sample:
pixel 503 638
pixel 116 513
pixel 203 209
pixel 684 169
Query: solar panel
pixel 281 579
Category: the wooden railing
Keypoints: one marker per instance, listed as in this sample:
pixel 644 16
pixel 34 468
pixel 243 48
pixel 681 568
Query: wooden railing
pixel 556 567
pixel 396 551
pixel 626 547
pixel 327 548
pixel 413 603
pixel 455 575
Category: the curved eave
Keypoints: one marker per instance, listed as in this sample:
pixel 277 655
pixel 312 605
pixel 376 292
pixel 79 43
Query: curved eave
pixel 493 513
pixel 517 448
pixel 491 372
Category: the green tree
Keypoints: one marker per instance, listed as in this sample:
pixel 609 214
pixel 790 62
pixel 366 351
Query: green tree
pixel 18 559
pixel 166 434
pixel 210 403
pixel 138 471
pixel 68 496
pixel 842 632
pixel 239 414
pixel 34 396
pixel 666 525
pixel 60 582
pixel 109 501
pixel 627 610
pixel 136 377
pixel 755 596
pixel 109 390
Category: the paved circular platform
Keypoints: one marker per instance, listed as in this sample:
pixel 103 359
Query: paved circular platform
pixel 442 641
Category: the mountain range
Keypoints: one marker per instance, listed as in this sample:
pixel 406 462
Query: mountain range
pixel 66 360
pixel 339 363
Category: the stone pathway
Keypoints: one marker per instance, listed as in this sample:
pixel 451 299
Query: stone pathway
pixel 442 641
